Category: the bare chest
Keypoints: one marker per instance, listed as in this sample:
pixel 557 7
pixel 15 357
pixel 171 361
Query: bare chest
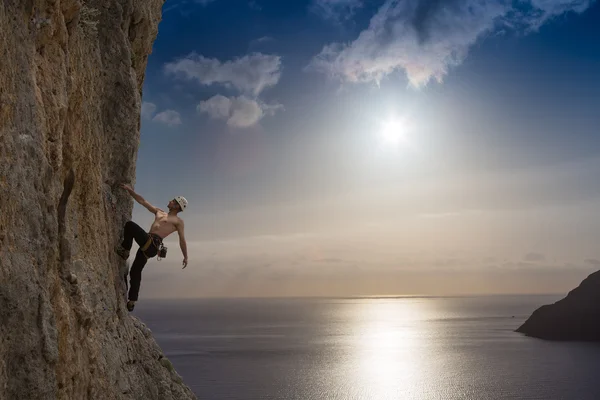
pixel 164 223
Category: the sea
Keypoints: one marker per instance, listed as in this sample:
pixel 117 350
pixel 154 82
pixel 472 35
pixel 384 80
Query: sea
pixel 374 348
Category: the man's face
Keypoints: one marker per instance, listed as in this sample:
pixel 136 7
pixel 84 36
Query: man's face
pixel 173 204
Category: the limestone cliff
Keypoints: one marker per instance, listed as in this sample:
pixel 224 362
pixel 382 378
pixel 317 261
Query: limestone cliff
pixel 575 317
pixel 71 74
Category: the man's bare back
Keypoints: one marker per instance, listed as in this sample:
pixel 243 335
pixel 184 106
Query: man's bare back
pixel 164 224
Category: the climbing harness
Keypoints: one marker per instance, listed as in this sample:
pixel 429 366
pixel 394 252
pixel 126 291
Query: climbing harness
pixel 157 242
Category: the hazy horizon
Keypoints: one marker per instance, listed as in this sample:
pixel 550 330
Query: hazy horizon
pixel 351 148
pixel 357 297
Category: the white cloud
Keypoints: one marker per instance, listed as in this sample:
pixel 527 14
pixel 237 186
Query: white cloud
pixel 425 38
pixel 168 117
pixel 217 106
pixel 336 10
pixel 240 112
pixel 251 73
pixel 148 110
pixel 244 112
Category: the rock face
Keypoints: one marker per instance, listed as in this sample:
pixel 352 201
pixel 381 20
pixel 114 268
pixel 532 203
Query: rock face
pixel 576 317
pixel 71 74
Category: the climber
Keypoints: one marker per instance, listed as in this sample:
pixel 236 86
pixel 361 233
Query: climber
pixel 150 243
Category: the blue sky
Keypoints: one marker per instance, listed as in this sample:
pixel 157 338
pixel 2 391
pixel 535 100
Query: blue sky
pixel 271 117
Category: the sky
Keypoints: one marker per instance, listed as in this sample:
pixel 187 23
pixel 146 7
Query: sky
pixel 365 148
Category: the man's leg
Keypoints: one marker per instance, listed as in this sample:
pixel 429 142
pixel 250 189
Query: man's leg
pixel 135 278
pixel 131 231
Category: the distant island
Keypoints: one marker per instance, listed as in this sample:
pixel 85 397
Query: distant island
pixel 573 318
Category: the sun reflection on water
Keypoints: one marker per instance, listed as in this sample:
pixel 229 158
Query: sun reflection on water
pixel 390 350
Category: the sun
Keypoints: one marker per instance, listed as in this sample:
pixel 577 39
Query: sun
pixel 393 132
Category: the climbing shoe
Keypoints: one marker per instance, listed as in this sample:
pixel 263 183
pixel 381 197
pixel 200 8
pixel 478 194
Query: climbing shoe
pixel 130 305
pixel 122 252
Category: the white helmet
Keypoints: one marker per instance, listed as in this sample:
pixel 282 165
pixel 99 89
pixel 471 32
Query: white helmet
pixel 182 202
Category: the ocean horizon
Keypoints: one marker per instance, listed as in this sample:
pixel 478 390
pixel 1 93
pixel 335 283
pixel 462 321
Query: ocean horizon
pixel 368 347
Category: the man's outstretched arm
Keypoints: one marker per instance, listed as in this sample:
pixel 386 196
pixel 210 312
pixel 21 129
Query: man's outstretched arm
pixel 139 199
pixel 182 243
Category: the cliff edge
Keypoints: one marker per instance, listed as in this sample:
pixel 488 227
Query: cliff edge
pixel 71 75
pixel 575 317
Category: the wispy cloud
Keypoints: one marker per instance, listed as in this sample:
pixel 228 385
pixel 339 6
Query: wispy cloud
pixel 593 262
pixel 263 39
pixel 534 257
pixel 425 38
pixel 254 5
pixel 263 43
pixel 239 112
pixel 336 10
pixel 249 74
pixel 168 117
pixel 184 5
pixel 148 110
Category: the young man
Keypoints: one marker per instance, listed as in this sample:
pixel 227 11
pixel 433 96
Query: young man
pixel 164 224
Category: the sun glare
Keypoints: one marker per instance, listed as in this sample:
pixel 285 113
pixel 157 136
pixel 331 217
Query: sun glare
pixel 393 133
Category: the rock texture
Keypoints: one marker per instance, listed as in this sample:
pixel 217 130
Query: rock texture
pixel 576 317
pixel 71 74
